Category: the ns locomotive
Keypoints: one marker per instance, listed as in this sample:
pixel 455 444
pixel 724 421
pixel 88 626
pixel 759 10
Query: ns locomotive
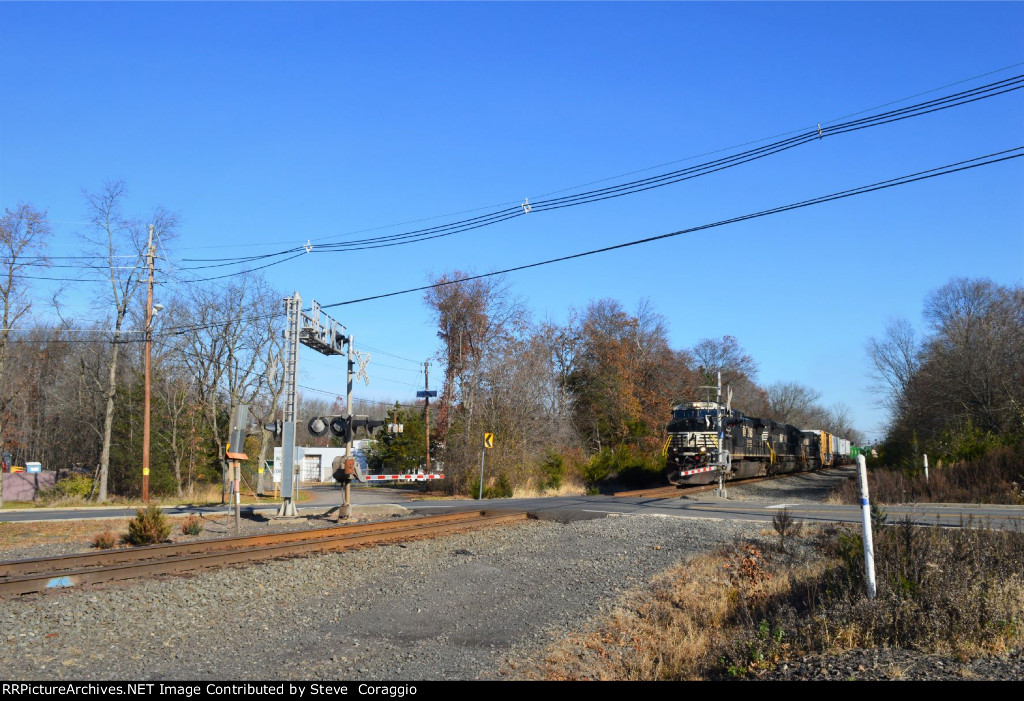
pixel 707 437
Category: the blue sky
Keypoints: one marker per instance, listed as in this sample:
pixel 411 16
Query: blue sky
pixel 268 124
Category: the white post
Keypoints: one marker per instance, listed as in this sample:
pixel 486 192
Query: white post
pixel 869 547
pixel 926 467
pixel 483 452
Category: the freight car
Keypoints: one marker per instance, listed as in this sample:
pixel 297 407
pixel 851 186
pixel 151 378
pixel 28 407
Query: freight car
pixel 706 437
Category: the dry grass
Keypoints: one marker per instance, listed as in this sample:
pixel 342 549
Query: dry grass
pixel 667 634
pixel 570 487
pixel 105 540
pixel 79 534
pixel 678 628
pixel 18 535
pixel 738 613
pixel 200 495
pixel 996 478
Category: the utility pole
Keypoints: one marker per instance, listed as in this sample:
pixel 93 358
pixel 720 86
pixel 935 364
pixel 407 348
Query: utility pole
pixel 149 373
pixel 426 406
pixel 722 456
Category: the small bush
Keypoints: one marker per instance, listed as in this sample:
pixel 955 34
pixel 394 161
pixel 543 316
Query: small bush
pixel 192 525
pixel 625 465
pixel 552 471
pixel 74 487
pixel 785 525
pixel 105 540
pixel 501 489
pixel 148 527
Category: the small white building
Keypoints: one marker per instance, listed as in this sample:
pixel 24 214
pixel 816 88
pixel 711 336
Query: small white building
pixel 316 462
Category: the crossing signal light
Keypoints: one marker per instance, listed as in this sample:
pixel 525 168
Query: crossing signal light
pixel 341 426
pixel 317 426
pixel 366 422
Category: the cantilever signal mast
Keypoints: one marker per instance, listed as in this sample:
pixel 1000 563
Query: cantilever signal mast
pixel 324 335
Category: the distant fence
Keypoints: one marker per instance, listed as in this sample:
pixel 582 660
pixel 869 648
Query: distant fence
pixel 25 486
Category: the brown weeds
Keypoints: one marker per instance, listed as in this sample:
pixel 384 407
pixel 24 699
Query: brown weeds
pixel 739 612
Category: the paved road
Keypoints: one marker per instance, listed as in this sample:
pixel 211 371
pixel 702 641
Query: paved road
pixel 1002 517
pixel 323 498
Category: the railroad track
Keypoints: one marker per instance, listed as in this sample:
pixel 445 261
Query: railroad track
pixel 42 574
pixel 669 492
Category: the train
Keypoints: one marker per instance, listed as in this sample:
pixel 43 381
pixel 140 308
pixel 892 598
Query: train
pixel 705 438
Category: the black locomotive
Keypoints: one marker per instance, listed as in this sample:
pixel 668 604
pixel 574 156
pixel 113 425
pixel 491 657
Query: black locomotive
pixel 707 438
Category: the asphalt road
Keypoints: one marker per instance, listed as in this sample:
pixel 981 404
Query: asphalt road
pixel 954 515
pixel 323 498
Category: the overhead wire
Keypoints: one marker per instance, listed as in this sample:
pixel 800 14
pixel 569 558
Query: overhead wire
pixel 894 182
pixel 648 168
pixel 636 186
pixel 948 169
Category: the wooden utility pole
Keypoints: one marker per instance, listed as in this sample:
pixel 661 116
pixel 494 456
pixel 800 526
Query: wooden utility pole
pixel 426 406
pixel 149 353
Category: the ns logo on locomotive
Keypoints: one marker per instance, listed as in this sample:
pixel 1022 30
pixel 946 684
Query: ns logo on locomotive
pixel 707 437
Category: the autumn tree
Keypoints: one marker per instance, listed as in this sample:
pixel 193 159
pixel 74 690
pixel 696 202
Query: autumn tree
pixel 625 376
pixel 475 318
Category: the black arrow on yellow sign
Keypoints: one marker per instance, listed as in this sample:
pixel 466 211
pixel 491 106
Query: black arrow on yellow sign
pixel 488 440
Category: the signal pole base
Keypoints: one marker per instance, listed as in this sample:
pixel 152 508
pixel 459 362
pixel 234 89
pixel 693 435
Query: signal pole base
pixel 287 509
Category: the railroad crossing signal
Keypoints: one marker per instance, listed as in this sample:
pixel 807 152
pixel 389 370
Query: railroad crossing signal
pixel 488 440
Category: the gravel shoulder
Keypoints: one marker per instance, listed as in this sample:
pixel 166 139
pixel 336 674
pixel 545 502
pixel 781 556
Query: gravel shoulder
pixel 459 607
pixel 800 488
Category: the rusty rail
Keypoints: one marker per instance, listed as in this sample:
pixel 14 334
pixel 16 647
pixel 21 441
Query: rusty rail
pixel 669 492
pixel 41 574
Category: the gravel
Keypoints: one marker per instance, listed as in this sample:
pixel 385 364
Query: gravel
pixel 898 664
pixel 458 607
pixel 800 488
pixel 218 525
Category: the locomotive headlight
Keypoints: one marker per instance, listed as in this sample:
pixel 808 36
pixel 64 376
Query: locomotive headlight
pixel 703 450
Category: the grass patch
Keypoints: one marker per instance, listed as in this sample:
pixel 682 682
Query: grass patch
pixel 995 478
pixel 191 525
pixel 202 495
pixel 105 540
pixel 739 612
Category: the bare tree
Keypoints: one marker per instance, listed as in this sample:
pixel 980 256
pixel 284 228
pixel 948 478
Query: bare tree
pixel 23 236
pixel 120 246
pixel 792 403
pixel 233 348
pixel 895 358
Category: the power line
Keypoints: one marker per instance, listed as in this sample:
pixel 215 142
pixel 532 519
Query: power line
pixel 641 170
pixel 894 182
pixel 632 187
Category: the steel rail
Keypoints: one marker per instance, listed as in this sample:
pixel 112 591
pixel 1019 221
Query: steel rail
pixel 164 550
pixel 338 539
pixel 656 492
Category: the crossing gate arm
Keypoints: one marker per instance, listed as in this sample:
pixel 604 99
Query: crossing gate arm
pixel 403 478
